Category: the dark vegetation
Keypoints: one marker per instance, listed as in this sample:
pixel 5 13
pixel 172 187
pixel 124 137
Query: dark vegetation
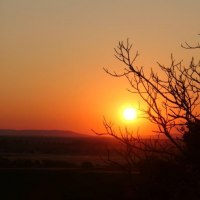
pixel 38 167
pixel 53 145
pixel 40 133
pixel 59 168
pixel 30 151
pixel 62 168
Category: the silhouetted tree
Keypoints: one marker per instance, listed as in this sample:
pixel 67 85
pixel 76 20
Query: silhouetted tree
pixel 171 96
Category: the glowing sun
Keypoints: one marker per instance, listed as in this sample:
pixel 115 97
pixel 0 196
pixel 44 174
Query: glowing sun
pixel 129 113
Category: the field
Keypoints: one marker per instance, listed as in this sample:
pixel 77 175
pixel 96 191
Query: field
pixel 58 168
pixel 47 152
pixel 67 168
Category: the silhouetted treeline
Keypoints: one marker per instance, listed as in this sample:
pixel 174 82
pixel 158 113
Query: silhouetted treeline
pixel 44 133
pixel 54 145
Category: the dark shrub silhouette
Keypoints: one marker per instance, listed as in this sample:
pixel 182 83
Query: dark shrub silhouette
pixel 87 165
pixel 192 141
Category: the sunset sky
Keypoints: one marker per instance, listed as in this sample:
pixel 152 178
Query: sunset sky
pixel 52 54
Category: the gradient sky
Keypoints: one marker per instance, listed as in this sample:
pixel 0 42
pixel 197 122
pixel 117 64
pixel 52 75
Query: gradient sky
pixel 52 53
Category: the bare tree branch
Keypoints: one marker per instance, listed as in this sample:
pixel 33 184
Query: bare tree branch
pixel 171 101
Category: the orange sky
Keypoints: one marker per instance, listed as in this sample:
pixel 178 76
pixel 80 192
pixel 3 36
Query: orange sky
pixel 52 53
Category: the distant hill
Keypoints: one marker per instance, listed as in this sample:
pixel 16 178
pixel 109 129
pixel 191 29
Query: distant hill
pixel 43 133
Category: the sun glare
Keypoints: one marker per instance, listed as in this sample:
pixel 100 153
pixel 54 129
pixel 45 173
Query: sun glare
pixel 129 113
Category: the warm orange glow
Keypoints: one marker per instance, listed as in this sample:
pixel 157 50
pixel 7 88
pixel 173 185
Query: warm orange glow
pixel 64 86
pixel 130 113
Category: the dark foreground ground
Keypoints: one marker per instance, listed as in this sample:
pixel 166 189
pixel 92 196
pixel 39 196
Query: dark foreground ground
pixel 36 184
pixel 73 168
pixel 62 184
